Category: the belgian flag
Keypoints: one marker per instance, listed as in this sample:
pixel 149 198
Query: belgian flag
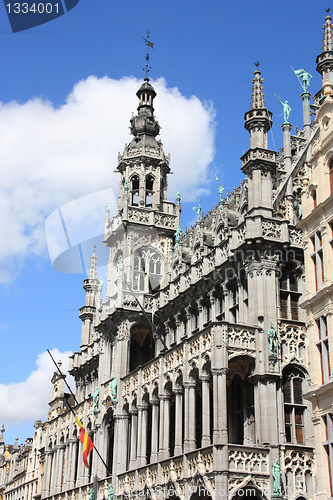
pixel 86 441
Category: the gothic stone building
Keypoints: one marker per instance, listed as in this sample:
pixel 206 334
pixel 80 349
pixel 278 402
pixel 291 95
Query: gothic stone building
pixel 178 383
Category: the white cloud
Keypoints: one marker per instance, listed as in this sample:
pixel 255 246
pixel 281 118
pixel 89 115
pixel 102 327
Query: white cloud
pixel 25 401
pixel 51 156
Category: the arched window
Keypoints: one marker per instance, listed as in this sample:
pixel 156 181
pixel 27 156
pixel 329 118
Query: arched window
pixel 149 191
pixel 294 407
pixel 135 190
pixel 147 270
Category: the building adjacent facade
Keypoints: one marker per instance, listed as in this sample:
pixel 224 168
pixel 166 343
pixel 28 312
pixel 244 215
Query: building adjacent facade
pixel 191 376
pixel 317 225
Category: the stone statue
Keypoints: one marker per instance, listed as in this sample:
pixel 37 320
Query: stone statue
pixel 304 76
pixel 126 186
pixel 110 492
pixel 96 398
pixel 91 494
pixel 198 209
pixel 276 473
pixel 221 189
pixel 274 339
pixel 177 235
pixel 113 385
pixel 286 109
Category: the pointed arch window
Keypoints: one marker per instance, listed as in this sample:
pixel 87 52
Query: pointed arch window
pixel 135 190
pixel 147 270
pixel 149 191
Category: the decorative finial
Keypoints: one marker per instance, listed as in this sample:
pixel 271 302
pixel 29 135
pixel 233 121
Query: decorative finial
pixel 149 44
pixel 257 63
pixel 59 363
pixel 327 10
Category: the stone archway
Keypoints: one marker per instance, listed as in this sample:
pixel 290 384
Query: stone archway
pixel 250 492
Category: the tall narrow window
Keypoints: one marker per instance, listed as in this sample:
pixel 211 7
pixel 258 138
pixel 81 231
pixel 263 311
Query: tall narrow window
pixel 323 349
pixel 317 259
pixel 149 191
pixel 147 264
pixel 135 191
pixel 289 295
pixel 293 406
pixel 328 445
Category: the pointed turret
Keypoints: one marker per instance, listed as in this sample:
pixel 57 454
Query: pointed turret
pixel 259 162
pixel 325 59
pixel 87 312
pixel 258 120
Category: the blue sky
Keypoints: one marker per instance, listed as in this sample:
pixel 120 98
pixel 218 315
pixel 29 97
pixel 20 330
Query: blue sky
pixel 61 138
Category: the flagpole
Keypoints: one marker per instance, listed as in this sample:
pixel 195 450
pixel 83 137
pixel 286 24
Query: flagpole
pixel 72 410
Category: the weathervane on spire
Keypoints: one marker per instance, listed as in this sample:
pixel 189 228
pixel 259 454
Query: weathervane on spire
pixel 327 10
pixel 257 63
pixel 149 44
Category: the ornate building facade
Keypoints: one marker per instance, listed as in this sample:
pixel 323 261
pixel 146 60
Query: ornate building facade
pixel 191 376
pixel 317 224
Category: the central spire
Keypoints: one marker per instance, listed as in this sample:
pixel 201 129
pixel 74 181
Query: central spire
pixel 257 96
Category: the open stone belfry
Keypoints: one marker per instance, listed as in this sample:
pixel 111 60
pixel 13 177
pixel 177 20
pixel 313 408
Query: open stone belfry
pixel 200 375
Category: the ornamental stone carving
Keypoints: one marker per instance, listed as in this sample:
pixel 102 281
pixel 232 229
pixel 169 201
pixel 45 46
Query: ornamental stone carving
pixel 293 339
pixel 123 332
pixel 271 229
pixel 250 461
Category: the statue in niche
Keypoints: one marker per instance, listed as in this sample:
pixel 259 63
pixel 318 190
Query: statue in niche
pixel 110 492
pixel 113 385
pixel 286 109
pixel 274 340
pixel 276 473
pixel 96 399
pixel 303 75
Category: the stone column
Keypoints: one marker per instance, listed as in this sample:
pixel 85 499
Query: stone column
pixel 166 435
pixel 306 114
pixel 161 433
pixel 142 438
pixel 139 436
pixel 189 441
pixel 179 422
pixel 205 440
pixel 220 432
pixel 154 430
pixel 59 472
pixel 47 472
pixel 134 434
pixel 53 472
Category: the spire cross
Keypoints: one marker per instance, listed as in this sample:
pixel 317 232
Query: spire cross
pixel 149 44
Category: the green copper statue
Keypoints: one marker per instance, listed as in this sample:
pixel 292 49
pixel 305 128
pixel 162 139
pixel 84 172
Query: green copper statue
pixel 126 186
pixel 177 235
pixel 198 209
pixel 95 399
pixel 100 283
pixel 110 492
pixel 91 494
pixel 113 385
pixel 276 473
pixel 303 75
pixel 274 340
pixel 179 195
pixel 221 189
pixel 286 109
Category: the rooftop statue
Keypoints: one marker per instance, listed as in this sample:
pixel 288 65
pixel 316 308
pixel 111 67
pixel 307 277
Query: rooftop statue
pixel 126 186
pixel 198 209
pixel 221 189
pixel 303 75
pixel 177 235
pixel 179 195
pixel 110 492
pixel 100 283
pixel 286 109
